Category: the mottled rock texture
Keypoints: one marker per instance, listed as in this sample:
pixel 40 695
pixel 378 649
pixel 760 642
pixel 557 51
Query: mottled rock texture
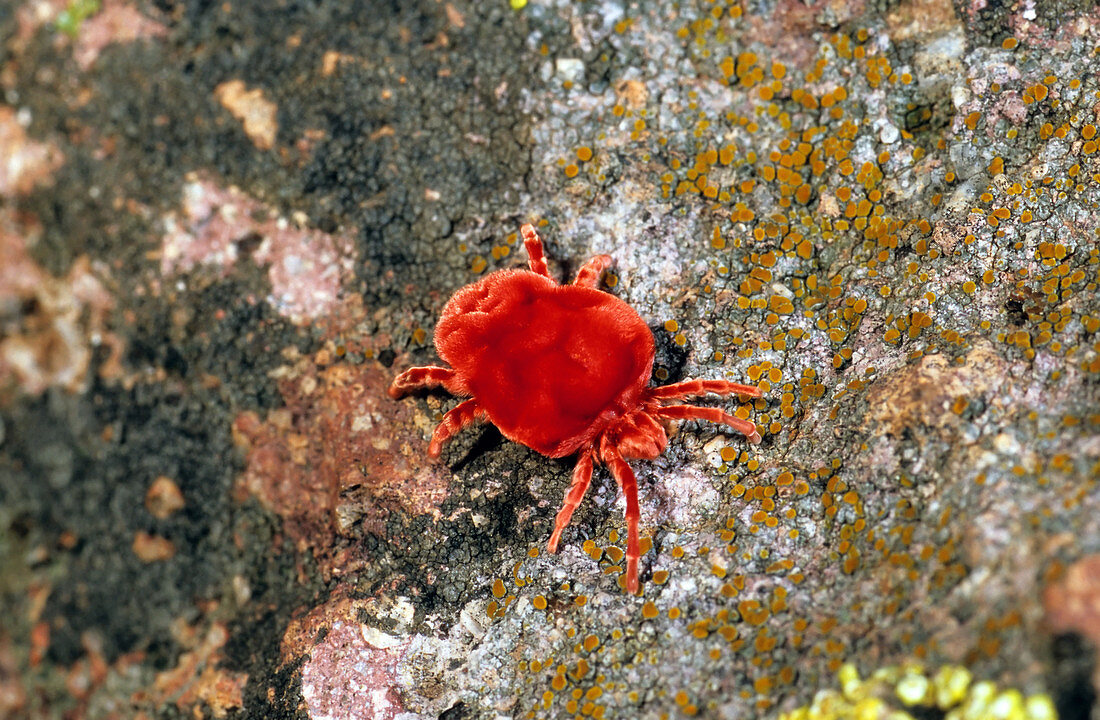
pixel 224 227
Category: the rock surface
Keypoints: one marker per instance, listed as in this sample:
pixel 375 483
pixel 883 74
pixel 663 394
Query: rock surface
pixel 224 228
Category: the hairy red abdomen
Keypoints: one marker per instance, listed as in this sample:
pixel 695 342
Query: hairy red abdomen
pixel 551 365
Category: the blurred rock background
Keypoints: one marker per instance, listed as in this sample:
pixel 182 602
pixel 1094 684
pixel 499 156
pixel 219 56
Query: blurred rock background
pixel 224 227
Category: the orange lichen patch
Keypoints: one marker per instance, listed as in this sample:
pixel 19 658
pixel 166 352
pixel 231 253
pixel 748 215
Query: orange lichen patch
pixel 163 498
pixel 1035 93
pixel 339 455
pixel 925 392
pixel 753 612
pixel 781 305
pixel 332 61
pixel 40 642
pixel 197 678
pixel 257 114
pixel 152 548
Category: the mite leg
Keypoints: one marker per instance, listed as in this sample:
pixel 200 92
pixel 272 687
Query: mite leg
pixel 533 244
pixel 582 476
pixel 458 417
pixel 590 273
pixel 624 476
pixel 419 378
pixel 691 412
pixel 696 388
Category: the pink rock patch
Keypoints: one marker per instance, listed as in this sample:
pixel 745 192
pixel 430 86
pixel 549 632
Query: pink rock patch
pixel 338 459
pixel 116 22
pixel 352 673
pixel 217 226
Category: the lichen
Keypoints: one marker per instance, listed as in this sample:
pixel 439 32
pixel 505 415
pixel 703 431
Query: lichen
pixel 910 691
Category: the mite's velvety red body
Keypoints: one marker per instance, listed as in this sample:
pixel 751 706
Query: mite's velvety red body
pixel 562 369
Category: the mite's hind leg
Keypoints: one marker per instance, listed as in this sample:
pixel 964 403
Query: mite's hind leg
pixel 423 378
pixel 582 476
pixel 453 422
pixel 692 412
pixel 624 476
pixel 696 388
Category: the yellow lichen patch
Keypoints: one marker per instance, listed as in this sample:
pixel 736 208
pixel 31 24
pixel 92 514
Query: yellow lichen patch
pixel 781 305
pixel 890 690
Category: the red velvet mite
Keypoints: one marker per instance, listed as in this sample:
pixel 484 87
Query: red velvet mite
pixel 562 369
